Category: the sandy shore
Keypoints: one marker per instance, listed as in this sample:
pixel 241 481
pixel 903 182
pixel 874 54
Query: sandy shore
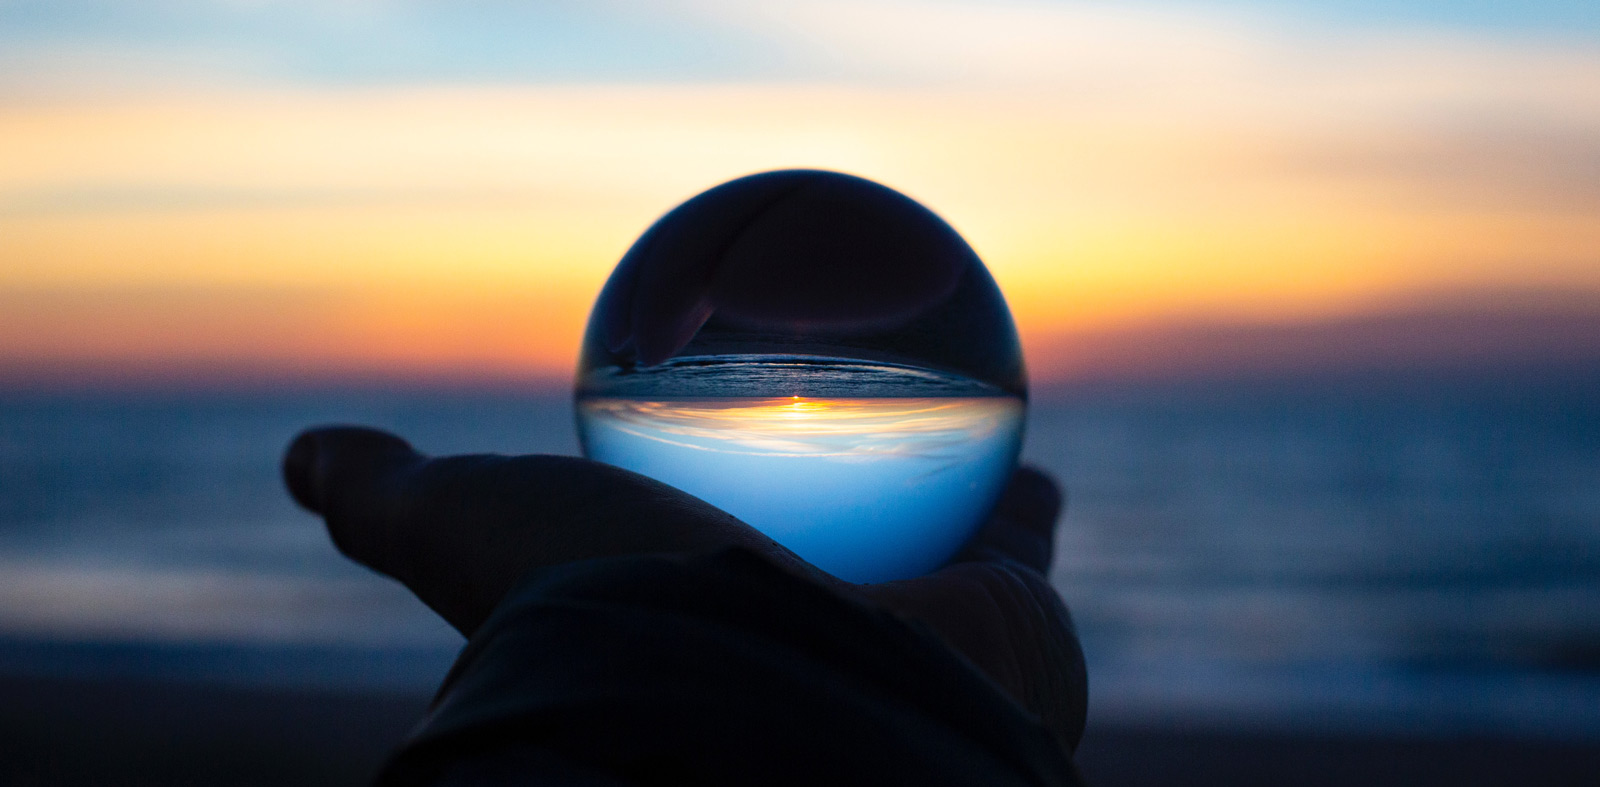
pixel 86 732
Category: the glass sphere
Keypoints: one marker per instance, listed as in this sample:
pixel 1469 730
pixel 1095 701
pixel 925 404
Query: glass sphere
pixel 818 355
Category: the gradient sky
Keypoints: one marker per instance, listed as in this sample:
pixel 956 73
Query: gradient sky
pixel 338 189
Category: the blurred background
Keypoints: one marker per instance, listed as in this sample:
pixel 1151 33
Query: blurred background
pixel 1310 294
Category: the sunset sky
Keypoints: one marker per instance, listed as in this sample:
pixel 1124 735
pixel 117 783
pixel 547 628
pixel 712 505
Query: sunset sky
pixel 352 189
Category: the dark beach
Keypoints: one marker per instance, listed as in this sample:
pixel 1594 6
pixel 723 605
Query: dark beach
pixel 98 732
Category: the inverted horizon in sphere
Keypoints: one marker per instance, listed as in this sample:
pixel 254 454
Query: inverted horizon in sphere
pixel 868 489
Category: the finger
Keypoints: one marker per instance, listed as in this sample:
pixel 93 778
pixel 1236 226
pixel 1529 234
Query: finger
pixel 1009 622
pixel 994 606
pixel 1022 527
pixel 461 531
pixel 346 474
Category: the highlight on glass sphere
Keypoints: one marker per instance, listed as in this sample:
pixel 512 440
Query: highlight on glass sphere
pixel 818 355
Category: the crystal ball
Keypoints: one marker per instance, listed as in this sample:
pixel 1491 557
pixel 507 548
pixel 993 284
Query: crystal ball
pixel 820 356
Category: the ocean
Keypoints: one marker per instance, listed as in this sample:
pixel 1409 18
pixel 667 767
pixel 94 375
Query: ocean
pixel 1419 555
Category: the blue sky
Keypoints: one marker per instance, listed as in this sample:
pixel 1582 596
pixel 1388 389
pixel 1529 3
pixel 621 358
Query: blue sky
pixel 351 41
pixel 1562 18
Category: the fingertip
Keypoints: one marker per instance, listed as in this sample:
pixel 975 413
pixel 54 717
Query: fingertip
pixel 318 457
pixel 298 463
pixel 1022 527
pixel 1032 497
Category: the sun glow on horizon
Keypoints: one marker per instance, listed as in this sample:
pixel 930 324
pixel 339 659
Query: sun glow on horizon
pixel 1236 173
pixel 794 426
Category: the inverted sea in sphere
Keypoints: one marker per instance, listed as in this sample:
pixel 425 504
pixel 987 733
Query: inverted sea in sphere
pixel 868 489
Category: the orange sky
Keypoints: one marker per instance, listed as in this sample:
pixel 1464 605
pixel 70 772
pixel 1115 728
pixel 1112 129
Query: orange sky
pixel 444 229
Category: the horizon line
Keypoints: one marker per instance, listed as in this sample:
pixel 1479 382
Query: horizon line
pixel 1464 337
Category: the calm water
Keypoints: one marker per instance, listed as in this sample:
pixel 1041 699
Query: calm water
pixel 1423 556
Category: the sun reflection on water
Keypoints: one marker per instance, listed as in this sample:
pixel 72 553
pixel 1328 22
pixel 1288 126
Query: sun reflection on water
pixel 801 426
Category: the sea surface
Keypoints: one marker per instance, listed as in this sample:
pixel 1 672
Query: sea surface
pixel 1418 555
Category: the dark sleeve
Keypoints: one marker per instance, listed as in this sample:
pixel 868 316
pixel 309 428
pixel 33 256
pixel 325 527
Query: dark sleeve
pixel 715 668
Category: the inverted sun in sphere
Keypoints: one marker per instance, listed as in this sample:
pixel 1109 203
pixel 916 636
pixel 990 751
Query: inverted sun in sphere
pixel 818 355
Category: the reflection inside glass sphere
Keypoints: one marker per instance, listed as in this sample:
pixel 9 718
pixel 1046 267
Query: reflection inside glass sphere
pixel 818 355
pixel 866 488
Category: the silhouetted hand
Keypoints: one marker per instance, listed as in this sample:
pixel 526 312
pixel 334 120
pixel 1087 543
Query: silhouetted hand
pixel 461 531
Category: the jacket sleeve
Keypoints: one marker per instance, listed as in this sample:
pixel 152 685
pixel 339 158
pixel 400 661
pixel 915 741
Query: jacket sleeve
pixel 715 668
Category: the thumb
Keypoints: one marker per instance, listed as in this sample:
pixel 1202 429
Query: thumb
pixel 460 531
pixel 352 477
pixel 436 525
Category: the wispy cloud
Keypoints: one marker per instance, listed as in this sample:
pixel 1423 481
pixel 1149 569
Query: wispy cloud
pixel 1115 165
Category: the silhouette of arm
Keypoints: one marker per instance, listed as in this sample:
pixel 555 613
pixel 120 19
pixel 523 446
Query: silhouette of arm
pixel 623 632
